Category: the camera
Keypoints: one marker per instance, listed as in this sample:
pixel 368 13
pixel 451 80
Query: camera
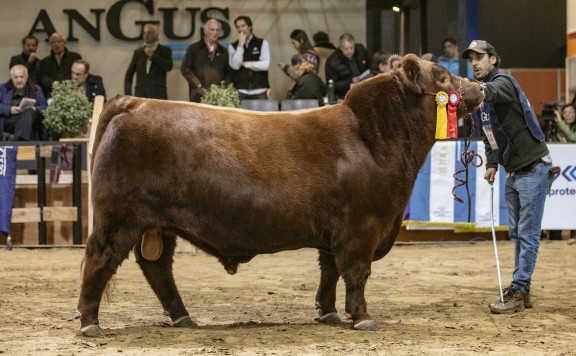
pixel 548 112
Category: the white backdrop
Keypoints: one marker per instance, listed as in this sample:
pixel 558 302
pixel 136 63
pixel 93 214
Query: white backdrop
pixel 273 20
pixel 560 208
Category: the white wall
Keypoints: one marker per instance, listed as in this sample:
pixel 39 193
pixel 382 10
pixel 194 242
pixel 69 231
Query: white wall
pixel 109 57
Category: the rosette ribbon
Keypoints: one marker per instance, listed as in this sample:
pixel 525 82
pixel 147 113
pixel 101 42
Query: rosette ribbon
pixel 453 100
pixel 441 115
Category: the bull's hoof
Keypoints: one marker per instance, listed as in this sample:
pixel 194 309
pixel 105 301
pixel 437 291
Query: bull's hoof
pixel 92 331
pixel 184 322
pixel 366 325
pixel 330 318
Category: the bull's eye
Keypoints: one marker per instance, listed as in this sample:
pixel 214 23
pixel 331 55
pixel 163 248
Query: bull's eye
pixel 443 80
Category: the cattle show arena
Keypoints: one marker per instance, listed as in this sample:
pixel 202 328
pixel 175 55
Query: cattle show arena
pixel 428 298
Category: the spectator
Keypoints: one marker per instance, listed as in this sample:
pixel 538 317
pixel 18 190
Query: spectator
pixel 22 124
pixel 150 62
pixel 250 60
pixel 346 64
pixel 302 44
pixel 91 84
pixel 513 139
pixel 57 65
pixel 308 84
pixel 324 48
pixel 450 59
pixel 206 62
pixel 566 122
pixel 379 64
pixel 29 58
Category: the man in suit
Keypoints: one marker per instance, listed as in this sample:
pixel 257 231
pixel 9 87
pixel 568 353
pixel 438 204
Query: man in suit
pixel 29 58
pixel 57 65
pixel 150 63
pixel 91 84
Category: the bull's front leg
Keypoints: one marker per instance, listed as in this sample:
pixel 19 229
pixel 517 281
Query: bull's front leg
pixel 326 295
pixel 355 268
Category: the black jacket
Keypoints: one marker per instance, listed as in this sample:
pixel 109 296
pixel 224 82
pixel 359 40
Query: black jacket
pixel 340 69
pixel 152 84
pixel 198 68
pixel 94 87
pixel 51 71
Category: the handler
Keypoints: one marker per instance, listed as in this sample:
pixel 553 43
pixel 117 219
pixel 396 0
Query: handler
pixel 513 139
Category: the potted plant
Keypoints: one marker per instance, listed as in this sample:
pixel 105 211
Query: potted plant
pixel 69 110
pixel 221 95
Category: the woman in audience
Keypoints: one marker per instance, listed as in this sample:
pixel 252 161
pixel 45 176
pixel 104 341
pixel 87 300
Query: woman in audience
pixel 302 44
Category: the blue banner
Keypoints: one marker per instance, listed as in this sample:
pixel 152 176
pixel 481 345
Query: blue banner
pixel 7 185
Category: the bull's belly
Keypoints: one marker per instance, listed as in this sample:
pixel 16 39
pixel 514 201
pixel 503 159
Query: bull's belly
pixel 250 241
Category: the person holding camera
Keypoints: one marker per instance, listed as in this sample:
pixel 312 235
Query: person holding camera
pixel 566 122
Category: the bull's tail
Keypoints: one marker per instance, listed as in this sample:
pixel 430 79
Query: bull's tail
pixel 114 107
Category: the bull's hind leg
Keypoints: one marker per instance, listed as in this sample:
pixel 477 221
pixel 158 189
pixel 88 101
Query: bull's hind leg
pixel 326 295
pixel 104 252
pixel 159 275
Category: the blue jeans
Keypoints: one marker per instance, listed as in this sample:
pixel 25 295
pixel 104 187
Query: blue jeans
pixel 525 196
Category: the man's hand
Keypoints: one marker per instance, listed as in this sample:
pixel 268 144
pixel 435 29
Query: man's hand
pixel 149 52
pixel 490 175
pixel 14 110
pixel 241 39
pixel 32 57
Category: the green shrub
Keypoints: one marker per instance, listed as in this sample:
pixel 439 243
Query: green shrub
pixel 221 95
pixel 69 111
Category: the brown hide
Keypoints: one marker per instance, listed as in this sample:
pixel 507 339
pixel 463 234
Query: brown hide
pixel 238 183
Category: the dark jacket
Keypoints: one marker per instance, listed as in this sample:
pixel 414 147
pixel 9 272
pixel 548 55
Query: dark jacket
pixel 6 93
pixel 51 71
pixel 94 87
pixel 152 84
pixel 198 68
pixel 524 148
pixel 33 67
pixel 309 86
pixel 341 69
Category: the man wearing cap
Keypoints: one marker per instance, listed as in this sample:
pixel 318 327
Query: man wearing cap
pixel 513 138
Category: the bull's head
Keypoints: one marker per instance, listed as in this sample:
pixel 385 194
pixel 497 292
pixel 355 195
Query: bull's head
pixel 427 78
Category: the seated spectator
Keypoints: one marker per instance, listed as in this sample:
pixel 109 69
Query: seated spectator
pixel 308 84
pixel 22 125
pixel 302 44
pixel 379 64
pixel 90 84
pixel 346 64
pixel 324 48
pixel 28 58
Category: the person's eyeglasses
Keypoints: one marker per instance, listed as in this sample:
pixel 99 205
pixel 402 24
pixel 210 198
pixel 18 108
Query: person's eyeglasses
pixel 569 112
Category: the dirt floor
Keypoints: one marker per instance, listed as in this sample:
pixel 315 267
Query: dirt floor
pixel 428 299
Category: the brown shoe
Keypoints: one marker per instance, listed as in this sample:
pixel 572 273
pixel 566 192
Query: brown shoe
pixel 513 302
pixel 527 301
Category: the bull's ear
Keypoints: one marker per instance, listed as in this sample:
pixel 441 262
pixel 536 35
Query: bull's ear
pixel 411 72
pixel 394 61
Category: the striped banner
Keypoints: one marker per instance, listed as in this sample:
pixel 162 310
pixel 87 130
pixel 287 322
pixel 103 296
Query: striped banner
pixel 432 202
